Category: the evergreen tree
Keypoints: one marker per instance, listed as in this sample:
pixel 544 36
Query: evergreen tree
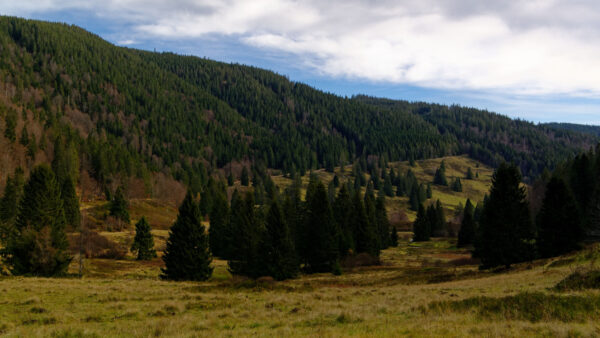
pixel 421 226
pixel 506 233
pixel 187 256
pixel 469 175
pixel 9 204
pixel 466 234
pixel 559 223
pixel 383 223
pixel 394 237
pixel 343 211
pixel 440 175
pixel 277 251
pixel 245 180
pixel 71 204
pixel 39 245
pixel 230 180
pixel 365 233
pixel 143 242
pixel 457 185
pixel 321 253
pixel 119 206
pixel 415 198
pixel 219 223
pixel 388 188
pixel 245 258
pixel 429 192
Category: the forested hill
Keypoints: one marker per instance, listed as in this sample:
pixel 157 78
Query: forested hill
pixel 128 113
pixel 582 128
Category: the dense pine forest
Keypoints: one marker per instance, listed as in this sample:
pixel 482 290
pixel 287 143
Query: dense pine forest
pixel 130 114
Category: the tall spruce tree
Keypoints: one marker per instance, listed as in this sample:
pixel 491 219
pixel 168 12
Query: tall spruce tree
pixel 245 180
pixel 321 254
pixel 506 232
pixel 245 259
pixel 143 242
pixel 394 237
pixel 440 175
pixel 219 223
pixel 342 211
pixel 383 223
pixel 9 204
pixel 277 248
pixel 559 224
pixel 39 244
pixel 466 234
pixel 421 226
pixel 187 256
pixel 119 206
pixel 71 204
pixel 365 232
pixel 457 185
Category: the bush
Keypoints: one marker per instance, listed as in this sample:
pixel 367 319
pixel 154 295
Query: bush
pixel 97 246
pixel 580 281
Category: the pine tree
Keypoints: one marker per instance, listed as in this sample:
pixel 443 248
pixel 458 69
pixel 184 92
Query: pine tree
pixel 277 246
pixel 559 224
pixel 388 188
pixel 187 256
pixel 9 204
pixel 230 179
pixel 39 245
pixel 457 185
pixel 119 206
pixel 466 234
pixel 219 223
pixel 440 175
pixel 429 192
pixel 342 211
pixel 245 259
pixel 394 237
pixel 506 232
pixel 469 175
pixel 421 226
pixel 383 223
pixel 143 242
pixel 71 204
pixel 321 253
pixel 245 180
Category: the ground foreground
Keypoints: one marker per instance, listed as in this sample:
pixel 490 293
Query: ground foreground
pixel 430 289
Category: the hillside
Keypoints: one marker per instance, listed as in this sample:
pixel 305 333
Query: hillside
pixel 581 128
pixel 144 118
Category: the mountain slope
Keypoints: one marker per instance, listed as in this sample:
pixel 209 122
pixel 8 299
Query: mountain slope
pixel 130 112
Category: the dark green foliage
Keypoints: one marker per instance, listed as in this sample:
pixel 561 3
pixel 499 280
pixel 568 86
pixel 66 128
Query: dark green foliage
pixel 143 242
pixel 365 231
pixel 506 233
pixel 9 204
pixel 230 180
pixel 457 185
pixel 24 140
pixel 436 219
pixel 559 224
pixel 429 192
pixel 388 188
pixel 119 206
pixel 336 181
pixel 440 175
pixel 394 237
pixel 421 226
pixel 10 125
pixel 578 281
pixel 187 255
pixel 219 231
pixel 39 244
pixel 277 248
pixel 70 204
pixel 245 257
pixel 466 234
pixel 245 180
pixel 321 244
pixel 382 223
pixel 343 216
pixel 469 175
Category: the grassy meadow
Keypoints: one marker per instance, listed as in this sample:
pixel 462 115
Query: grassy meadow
pixel 424 289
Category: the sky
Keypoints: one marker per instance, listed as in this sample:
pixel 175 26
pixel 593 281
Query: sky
pixel 537 60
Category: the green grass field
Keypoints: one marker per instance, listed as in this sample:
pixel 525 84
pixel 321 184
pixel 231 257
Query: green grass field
pixel 425 289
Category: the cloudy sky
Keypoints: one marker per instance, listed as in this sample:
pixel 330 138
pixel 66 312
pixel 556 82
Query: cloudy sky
pixel 538 59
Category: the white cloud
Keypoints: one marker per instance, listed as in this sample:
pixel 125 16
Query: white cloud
pixel 531 47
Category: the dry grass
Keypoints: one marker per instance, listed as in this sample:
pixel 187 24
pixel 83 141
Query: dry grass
pixel 417 291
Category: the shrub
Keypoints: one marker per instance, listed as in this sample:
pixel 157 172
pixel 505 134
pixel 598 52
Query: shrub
pixel 580 281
